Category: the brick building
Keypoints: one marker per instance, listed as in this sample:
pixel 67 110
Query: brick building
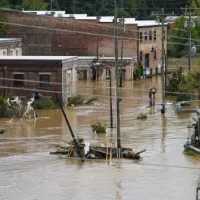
pixel 56 33
pixel 10 46
pixel 47 35
pixel 19 75
pixel 150 45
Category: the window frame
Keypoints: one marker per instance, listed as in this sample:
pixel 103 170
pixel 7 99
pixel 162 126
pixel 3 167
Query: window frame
pixel 46 78
pixel 145 36
pixel 141 56
pixel 154 36
pixel 141 36
pixel 18 76
pixel 150 35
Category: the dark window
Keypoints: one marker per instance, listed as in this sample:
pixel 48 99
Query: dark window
pixel 147 60
pixel 156 70
pixel 141 55
pixel 154 54
pixel 18 82
pixel 141 36
pixel 44 78
pixel 154 36
pixel 145 36
pixel 150 35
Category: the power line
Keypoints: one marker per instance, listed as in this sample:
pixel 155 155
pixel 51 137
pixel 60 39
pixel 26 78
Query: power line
pixel 64 30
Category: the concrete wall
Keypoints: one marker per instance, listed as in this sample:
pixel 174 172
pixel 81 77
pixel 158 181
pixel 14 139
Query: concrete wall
pixel 69 37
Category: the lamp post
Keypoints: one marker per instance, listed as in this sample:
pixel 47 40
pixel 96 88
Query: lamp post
pixel 164 74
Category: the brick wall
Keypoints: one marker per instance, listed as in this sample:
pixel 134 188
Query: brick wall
pixel 146 46
pixel 66 42
pixel 31 70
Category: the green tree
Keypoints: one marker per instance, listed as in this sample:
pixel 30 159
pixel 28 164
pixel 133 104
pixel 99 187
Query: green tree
pixel 195 4
pixel 178 38
pixel 33 5
pixel 5 4
pixel 3 27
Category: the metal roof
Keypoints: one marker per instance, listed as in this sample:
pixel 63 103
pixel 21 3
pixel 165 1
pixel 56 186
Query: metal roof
pixel 36 58
pixel 10 39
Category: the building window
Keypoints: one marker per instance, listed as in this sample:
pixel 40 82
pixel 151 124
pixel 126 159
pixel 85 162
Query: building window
pixel 154 36
pixel 17 52
pixel 141 55
pixel 18 82
pixel 4 53
pixel 147 60
pixel 11 53
pixel 145 36
pixel 141 36
pixel 107 74
pixel 154 54
pixel 45 78
pixel 150 35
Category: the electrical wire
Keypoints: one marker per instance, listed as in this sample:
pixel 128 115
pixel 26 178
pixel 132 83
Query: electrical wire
pixel 94 34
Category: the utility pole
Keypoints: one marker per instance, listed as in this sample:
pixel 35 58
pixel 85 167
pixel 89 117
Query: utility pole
pixel 163 64
pixel 51 5
pixel 117 83
pixel 111 113
pixel 162 16
pixel 188 24
pixel 74 6
pixel 190 37
pixel 122 49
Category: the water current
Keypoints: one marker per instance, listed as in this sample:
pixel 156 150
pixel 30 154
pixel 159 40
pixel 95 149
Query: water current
pixel 28 172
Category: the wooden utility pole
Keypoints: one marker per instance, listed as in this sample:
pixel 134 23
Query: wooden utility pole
pixel 190 37
pixel 74 6
pixel 162 16
pixel 117 83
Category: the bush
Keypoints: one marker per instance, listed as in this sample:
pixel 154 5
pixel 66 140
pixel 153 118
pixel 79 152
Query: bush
pixel 142 116
pixel 3 106
pixel 76 100
pixel 138 73
pixel 186 92
pixel 98 127
pixel 44 103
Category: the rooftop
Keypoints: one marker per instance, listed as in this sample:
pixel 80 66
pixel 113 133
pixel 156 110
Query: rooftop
pixel 10 39
pixel 102 19
pixel 52 58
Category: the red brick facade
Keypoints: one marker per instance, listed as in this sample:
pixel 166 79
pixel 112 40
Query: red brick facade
pixel 71 38
pixel 31 71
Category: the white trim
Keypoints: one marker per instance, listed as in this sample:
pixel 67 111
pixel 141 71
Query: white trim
pixel 44 73
pixel 18 73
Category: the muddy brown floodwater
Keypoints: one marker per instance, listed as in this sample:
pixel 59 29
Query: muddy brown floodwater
pixel 28 172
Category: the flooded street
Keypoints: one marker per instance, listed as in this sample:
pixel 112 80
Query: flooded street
pixel 28 172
